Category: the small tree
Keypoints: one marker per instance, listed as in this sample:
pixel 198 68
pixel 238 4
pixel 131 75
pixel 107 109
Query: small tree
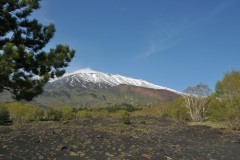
pixel 196 99
pixel 225 104
pixel 177 110
pixel 229 86
pixel 25 66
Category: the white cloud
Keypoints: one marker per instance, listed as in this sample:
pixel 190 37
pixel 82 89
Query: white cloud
pixel 170 41
pixel 174 35
pixel 151 50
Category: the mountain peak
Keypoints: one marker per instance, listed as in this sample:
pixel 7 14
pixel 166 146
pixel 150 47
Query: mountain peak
pixel 85 76
pixel 89 88
pixel 85 70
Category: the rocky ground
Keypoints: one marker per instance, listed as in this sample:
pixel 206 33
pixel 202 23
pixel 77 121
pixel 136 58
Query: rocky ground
pixel 145 138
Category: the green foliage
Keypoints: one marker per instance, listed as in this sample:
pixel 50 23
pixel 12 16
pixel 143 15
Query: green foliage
pixel 123 106
pixel 233 113
pixel 85 114
pixel 230 85
pixel 224 105
pixel 100 113
pixel 4 114
pixel 216 109
pixel 226 110
pixel 89 98
pixel 126 118
pixel 20 113
pixel 39 114
pixel 177 111
pixel 25 67
pixel 54 114
pixel 67 113
pixel 154 110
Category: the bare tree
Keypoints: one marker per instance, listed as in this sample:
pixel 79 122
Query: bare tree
pixel 196 99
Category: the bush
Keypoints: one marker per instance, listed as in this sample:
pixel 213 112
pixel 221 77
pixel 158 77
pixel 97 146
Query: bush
pixel 39 114
pixel 142 121
pixel 4 114
pixel 54 114
pixel 84 114
pixel 154 110
pixel 177 111
pixel 100 113
pixel 216 109
pixel 225 103
pixel 226 110
pixel 21 113
pixel 67 113
pixel 126 118
pixel 123 106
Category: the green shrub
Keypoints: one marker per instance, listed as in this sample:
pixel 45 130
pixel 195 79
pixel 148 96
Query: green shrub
pixel 67 113
pixel 226 110
pixel 142 121
pixel 84 114
pixel 225 104
pixel 217 109
pixel 177 111
pixel 126 118
pixel 100 113
pixel 21 113
pixel 54 114
pixel 123 106
pixel 154 110
pixel 39 114
pixel 4 114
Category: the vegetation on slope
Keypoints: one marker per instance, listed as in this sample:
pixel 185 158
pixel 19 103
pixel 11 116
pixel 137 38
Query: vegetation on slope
pixel 223 106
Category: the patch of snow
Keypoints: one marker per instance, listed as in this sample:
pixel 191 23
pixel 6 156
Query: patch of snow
pixel 89 75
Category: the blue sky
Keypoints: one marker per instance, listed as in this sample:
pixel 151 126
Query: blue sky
pixel 167 42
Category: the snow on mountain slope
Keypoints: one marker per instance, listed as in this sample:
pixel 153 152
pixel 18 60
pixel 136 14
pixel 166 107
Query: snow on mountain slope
pixel 91 76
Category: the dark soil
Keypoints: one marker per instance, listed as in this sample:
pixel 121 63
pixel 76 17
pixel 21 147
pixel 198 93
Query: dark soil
pixel 110 139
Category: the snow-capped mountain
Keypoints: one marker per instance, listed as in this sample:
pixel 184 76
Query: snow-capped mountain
pixel 87 88
pixel 83 78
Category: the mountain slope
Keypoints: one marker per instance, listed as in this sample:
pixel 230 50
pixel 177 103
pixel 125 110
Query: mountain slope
pixel 97 89
pixel 105 80
pixel 102 90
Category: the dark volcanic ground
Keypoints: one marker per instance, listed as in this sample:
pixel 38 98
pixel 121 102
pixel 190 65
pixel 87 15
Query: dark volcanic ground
pixel 110 139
